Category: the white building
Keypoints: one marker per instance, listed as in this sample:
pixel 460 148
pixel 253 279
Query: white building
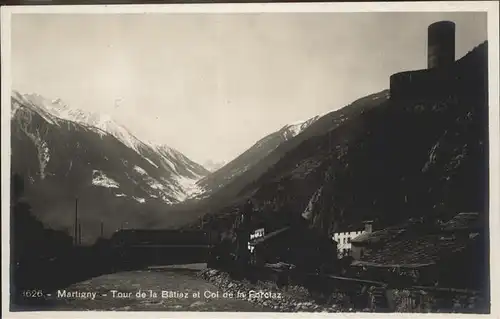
pixel 344 238
pixel 256 234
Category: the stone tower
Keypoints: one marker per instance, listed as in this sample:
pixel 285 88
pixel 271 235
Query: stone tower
pixel 441 44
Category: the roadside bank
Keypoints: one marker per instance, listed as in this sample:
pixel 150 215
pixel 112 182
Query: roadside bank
pixel 290 299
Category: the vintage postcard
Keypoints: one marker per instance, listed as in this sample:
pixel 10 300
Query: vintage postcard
pixel 256 158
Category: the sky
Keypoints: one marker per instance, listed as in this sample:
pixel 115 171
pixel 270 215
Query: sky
pixel 211 85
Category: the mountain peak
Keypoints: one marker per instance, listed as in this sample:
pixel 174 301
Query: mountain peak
pixel 164 148
pixel 56 107
pixel 213 166
pixel 295 128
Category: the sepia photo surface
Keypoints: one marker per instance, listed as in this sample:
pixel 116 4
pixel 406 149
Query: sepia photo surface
pixel 251 161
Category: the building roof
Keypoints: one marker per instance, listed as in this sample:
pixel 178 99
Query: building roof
pixel 413 252
pixel 354 227
pixel 379 236
pixel 350 229
pixel 260 240
pixel 463 221
pixel 407 245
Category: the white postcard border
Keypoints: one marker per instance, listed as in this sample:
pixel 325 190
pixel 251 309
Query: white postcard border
pixel 491 7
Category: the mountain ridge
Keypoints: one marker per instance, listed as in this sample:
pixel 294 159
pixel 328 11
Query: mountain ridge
pixel 250 157
pixel 424 156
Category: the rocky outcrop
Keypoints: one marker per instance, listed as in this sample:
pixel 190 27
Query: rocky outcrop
pixel 293 298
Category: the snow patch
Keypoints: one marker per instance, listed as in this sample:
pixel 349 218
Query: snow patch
pixel 167 156
pixel 43 156
pixel 296 128
pixel 169 164
pixel 100 179
pixel 139 199
pixel 120 195
pixel 308 212
pixel 95 130
pixel 151 162
pixel 154 184
pixel 165 199
pixel 41 147
pixel 187 188
pixel 140 170
pixel 14 107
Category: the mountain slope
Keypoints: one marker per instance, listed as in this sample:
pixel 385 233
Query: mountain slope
pixel 420 156
pixel 243 185
pixel 61 160
pixel 251 157
pixel 57 109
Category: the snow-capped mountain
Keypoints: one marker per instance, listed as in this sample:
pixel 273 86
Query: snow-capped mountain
pixel 188 171
pixel 61 110
pixel 171 159
pixel 63 153
pixel 251 157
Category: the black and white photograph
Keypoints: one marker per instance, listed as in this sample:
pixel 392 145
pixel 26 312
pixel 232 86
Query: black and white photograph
pixel 257 160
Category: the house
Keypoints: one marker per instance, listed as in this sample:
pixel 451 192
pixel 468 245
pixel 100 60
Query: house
pixel 258 233
pixel 427 253
pixel 268 248
pixel 344 238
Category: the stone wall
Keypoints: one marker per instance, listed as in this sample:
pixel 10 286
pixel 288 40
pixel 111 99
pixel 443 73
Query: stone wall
pixel 429 83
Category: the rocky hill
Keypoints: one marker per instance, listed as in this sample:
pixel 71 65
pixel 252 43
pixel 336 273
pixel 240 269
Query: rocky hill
pixel 389 160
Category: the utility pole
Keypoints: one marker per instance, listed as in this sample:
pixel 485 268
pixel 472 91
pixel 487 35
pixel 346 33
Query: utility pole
pixel 76 221
pixel 79 234
pixel 102 229
pixel 330 142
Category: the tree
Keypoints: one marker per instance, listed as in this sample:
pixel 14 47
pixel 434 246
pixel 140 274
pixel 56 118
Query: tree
pixel 243 233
